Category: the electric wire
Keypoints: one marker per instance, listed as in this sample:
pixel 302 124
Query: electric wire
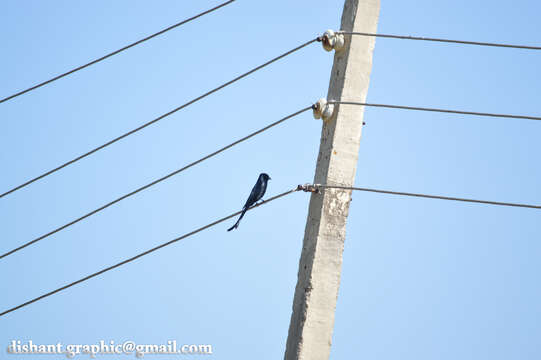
pixel 307 187
pixel 114 52
pixel 158 118
pixel 440 197
pixel 527 117
pixel 144 253
pixel 402 37
pixel 95 211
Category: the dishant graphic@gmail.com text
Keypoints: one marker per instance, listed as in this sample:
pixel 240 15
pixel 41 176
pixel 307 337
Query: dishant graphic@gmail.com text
pixel 107 348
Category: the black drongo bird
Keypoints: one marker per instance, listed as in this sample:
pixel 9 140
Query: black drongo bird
pixel 257 193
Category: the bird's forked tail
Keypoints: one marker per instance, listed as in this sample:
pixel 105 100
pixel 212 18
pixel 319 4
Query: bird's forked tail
pixel 238 221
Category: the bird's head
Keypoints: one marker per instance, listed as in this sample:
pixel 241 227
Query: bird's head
pixel 265 176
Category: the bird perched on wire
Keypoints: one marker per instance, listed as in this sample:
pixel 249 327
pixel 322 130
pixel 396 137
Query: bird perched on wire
pixel 257 193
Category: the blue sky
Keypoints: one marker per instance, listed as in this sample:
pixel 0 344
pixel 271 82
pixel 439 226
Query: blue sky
pixel 421 279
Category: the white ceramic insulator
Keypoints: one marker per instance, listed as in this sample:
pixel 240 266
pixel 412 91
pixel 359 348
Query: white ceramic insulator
pixel 332 41
pixel 323 110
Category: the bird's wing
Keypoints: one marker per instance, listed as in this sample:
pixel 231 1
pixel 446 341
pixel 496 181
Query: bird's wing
pixel 253 194
pixel 262 190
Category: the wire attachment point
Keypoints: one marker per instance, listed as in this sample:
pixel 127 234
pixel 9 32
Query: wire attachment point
pixel 323 110
pixel 308 188
pixel 332 41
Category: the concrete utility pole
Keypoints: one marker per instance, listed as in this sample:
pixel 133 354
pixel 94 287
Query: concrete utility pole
pixel 312 321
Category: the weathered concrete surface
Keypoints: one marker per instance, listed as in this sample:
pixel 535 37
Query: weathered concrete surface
pixel 314 304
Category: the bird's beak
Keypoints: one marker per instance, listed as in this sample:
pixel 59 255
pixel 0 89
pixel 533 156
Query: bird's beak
pixel 270 178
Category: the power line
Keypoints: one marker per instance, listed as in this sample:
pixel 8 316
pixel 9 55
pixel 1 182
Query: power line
pixel 489 202
pixel 115 52
pixel 437 110
pixel 144 253
pixel 157 119
pixel 307 188
pixel 154 182
pixel 402 37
